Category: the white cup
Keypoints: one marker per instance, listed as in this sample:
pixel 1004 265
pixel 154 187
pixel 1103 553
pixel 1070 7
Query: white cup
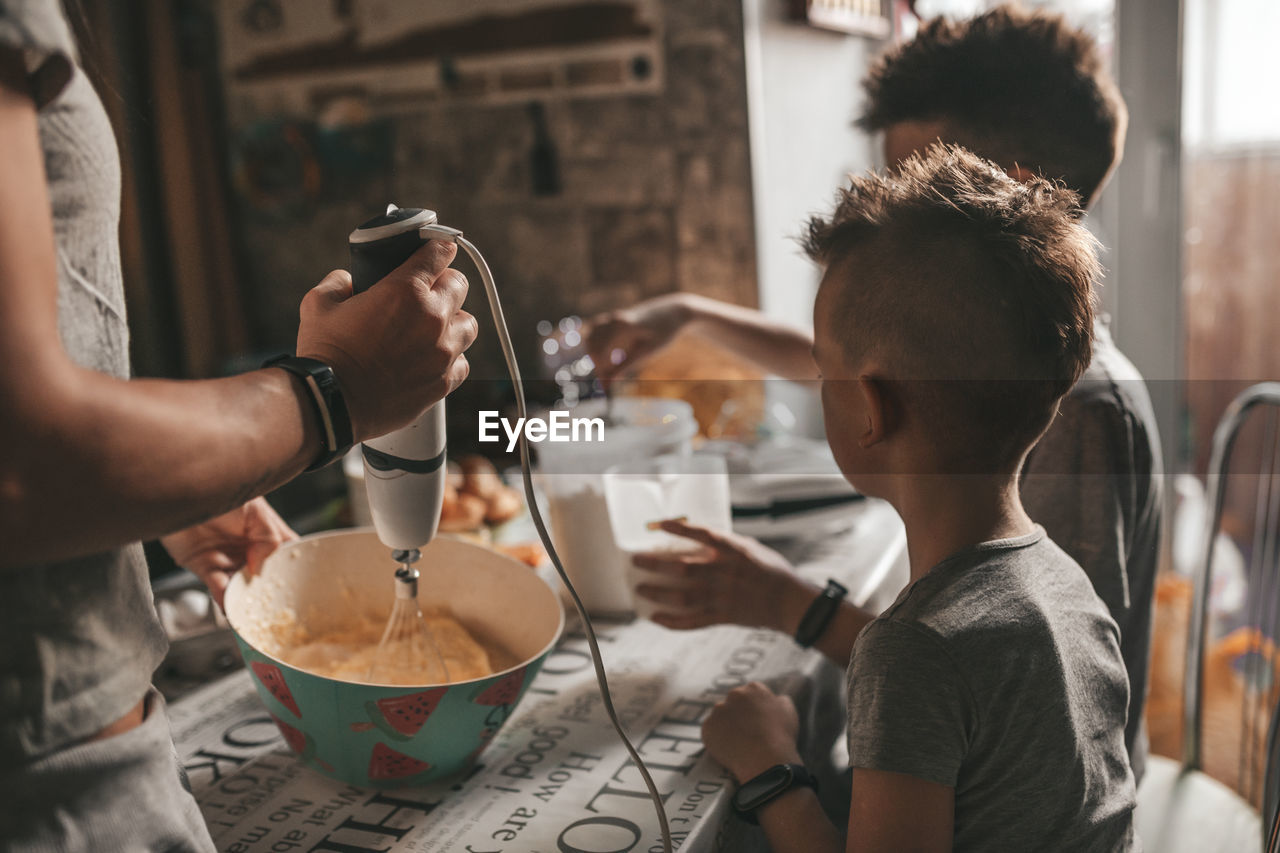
pixel 644 608
pixel 571 479
pixel 640 494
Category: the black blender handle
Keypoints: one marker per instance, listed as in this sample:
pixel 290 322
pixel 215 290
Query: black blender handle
pixel 373 261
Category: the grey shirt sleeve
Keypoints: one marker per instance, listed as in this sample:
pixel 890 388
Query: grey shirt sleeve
pixel 909 708
pixel 37 30
pixel 1075 485
pixel 1090 483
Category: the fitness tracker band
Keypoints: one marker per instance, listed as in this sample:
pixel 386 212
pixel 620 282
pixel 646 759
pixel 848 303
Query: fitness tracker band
pixel 818 616
pixel 325 394
pixel 768 786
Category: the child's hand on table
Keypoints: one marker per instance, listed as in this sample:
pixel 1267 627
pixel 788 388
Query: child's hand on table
pixel 731 580
pixel 752 730
pixel 218 548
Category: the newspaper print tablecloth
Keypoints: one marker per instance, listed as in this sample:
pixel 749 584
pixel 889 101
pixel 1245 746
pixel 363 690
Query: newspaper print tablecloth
pixel 555 779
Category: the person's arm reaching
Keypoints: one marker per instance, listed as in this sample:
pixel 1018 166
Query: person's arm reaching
pixel 753 730
pixel 736 580
pixel 620 341
pixel 89 462
pixel 240 539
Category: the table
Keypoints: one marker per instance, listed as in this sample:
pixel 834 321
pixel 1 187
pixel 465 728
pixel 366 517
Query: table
pixel 555 779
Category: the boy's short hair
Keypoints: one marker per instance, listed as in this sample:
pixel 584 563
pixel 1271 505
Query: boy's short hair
pixel 1017 87
pixel 973 289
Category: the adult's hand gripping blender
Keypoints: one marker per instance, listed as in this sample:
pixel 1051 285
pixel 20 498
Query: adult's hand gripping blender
pixel 405 470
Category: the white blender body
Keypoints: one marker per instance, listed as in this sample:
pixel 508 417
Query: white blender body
pixel 404 500
pixel 405 471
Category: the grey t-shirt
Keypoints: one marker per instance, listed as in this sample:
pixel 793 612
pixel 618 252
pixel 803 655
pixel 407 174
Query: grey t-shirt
pixel 79 639
pixel 998 674
pixel 1093 482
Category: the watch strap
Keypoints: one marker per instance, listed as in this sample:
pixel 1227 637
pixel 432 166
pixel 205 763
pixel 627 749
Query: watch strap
pixel 819 614
pixel 325 394
pixel 795 775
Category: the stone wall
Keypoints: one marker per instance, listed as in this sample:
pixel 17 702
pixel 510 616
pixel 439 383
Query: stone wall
pixel 654 188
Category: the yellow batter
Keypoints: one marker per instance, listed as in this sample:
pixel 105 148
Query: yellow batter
pixel 348 654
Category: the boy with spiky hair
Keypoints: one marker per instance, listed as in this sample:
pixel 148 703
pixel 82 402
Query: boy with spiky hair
pixel 1021 88
pixel 1029 92
pixel 987 704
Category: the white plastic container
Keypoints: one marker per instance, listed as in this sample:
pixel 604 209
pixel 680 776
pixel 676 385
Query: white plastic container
pixel 570 476
pixel 640 493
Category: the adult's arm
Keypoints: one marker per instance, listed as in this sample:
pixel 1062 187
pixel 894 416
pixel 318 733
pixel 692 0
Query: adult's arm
pixel 89 462
pixel 620 341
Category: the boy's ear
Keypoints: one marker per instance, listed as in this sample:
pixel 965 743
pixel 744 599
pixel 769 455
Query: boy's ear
pixel 875 410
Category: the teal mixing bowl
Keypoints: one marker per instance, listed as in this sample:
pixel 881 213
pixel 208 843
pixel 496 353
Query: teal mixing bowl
pixel 381 735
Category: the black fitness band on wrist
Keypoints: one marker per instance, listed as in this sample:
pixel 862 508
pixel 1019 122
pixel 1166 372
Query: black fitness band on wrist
pixel 336 435
pixel 768 786
pixel 818 616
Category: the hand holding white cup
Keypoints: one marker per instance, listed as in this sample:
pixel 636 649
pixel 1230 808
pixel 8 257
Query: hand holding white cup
pixel 645 496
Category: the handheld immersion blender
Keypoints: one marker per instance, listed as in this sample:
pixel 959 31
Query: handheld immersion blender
pixel 405 472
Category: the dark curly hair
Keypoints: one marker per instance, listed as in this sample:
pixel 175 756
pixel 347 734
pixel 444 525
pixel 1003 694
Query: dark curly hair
pixel 974 291
pixel 1014 86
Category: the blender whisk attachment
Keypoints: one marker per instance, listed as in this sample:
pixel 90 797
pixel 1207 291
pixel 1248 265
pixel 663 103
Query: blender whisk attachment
pixel 408 653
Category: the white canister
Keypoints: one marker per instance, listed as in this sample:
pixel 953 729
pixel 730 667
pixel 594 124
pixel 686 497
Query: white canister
pixel 570 476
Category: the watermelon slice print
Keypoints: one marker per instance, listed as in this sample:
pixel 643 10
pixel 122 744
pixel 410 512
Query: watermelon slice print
pixel 504 691
pixel 299 741
pixel 386 764
pixel 486 735
pixel 273 679
pixel 401 717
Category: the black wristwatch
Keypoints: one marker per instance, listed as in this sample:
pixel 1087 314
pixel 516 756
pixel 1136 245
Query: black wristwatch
pixel 818 616
pixel 336 435
pixel 769 785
